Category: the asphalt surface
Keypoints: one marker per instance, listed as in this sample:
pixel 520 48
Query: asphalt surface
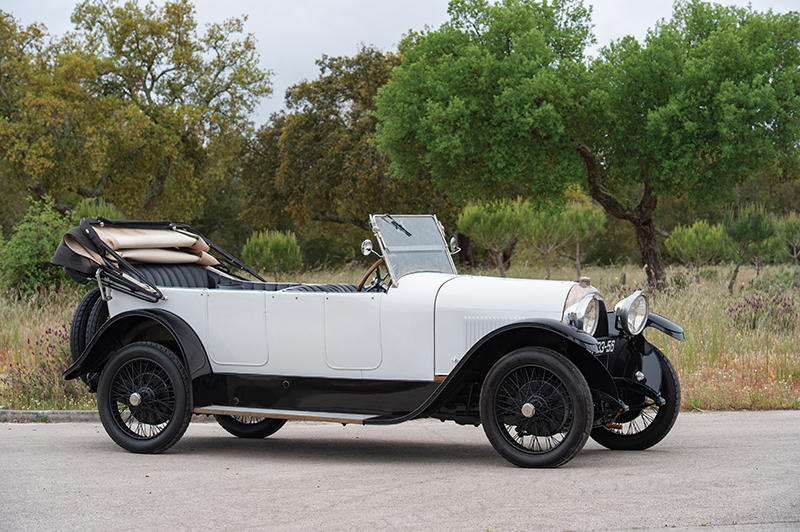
pixel 732 470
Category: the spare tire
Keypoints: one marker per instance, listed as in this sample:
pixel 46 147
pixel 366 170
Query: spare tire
pixel 97 317
pixel 77 331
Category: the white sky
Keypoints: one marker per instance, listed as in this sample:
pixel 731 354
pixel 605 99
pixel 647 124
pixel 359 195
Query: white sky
pixel 293 34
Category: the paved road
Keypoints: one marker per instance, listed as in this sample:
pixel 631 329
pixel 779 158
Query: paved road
pixel 729 470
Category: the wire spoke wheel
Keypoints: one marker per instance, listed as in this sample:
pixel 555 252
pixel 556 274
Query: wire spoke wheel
pixel 250 426
pixel 143 398
pixel 542 425
pixel 647 423
pixel 638 423
pixel 536 408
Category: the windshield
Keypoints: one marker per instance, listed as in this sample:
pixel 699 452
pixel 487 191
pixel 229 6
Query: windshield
pixel 412 243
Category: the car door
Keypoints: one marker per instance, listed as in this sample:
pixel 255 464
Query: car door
pixel 237 328
pixel 353 330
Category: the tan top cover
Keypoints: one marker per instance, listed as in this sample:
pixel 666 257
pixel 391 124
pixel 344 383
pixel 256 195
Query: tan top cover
pixel 118 238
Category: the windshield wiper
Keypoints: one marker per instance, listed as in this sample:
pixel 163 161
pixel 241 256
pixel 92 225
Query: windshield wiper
pixel 397 225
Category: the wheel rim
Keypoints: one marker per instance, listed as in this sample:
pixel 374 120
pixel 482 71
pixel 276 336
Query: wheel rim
pixel 637 424
pixel 533 409
pixel 142 398
pixel 248 420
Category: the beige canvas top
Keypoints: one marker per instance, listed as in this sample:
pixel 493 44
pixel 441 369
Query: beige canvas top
pixel 118 238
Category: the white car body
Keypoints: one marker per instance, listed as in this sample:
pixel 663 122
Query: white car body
pixel 418 330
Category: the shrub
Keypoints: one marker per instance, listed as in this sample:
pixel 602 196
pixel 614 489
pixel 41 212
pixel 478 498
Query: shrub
pixel 495 226
pixel 709 274
pixel 92 208
pixel 35 380
pixel 697 245
pixel 776 281
pixel 272 251
pixel 769 309
pixel 789 236
pixel 25 258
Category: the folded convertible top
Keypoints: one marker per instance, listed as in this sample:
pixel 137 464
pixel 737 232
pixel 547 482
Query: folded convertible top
pixel 109 250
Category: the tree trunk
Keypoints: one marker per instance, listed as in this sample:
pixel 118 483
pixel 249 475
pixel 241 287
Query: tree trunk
pixel 646 237
pixel 578 259
pixel 465 258
pixel 640 216
pixel 507 254
pixel 547 266
pixel 498 256
pixel 733 277
pixel 697 273
pixel 758 265
pixel 796 273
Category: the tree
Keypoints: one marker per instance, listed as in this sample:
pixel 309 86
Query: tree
pixel 25 259
pixel 789 233
pixel 697 245
pixel 273 251
pixel 547 229
pixel 585 221
pixel 315 168
pixel 129 107
pixel 495 226
pixel 501 101
pixel 92 208
pixel 746 229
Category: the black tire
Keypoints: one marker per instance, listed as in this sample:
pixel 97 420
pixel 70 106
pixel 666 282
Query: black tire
pixel 77 331
pixel 648 426
pixel 562 406
pixel 97 317
pixel 248 427
pixel 163 407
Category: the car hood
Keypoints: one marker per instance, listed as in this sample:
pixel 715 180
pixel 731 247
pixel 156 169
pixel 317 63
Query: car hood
pixel 503 298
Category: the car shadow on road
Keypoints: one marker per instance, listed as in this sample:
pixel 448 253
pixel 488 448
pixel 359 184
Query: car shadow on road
pixel 342 450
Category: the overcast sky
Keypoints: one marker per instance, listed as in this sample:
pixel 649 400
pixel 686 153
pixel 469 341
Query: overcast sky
pixel 293 34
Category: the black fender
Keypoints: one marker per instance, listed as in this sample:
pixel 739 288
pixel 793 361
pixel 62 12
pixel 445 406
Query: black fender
pixel 666 326
pixel 153 325
pixel 576 345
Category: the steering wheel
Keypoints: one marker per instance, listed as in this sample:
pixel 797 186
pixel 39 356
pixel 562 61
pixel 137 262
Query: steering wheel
pixel 376 282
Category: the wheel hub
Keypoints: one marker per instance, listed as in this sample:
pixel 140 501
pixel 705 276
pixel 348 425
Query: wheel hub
pixel 528 410
pixel 135 399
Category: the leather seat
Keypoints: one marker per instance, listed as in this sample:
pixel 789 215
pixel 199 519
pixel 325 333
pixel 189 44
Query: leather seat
pixel 175 275
pixel 329 288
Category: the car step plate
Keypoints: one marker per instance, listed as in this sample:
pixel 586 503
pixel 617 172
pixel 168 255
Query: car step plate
pixel 283 414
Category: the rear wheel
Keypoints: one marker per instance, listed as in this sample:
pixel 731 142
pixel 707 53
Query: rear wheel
pixel 536 408
pixel 250 427
pixel 645 426
pixel 144 398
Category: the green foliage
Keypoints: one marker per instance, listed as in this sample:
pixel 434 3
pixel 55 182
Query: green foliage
pixel 747 230
pixel 92 208
pixel 548 229
pixel 499 101
pixel 25 258
pixel 495 225
pixel 585 221
pixel 272 251
pixel 789 237
pixel 697 245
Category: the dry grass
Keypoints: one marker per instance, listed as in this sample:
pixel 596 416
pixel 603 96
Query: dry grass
pixel 722 365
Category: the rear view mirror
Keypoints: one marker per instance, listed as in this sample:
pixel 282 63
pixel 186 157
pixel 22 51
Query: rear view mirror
pixel 454 246
pixel 366 247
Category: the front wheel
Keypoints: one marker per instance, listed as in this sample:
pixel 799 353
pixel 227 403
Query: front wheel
pixel 645 426
pixel 144 398
pixel 536 408
pixel 250 427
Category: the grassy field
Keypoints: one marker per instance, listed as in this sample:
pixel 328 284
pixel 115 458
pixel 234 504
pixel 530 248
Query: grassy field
pixel 742 351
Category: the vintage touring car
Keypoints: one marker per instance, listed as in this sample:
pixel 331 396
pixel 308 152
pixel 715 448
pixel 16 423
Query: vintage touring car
pixel 174 328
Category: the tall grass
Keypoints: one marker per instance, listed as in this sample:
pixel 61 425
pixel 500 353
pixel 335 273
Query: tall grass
pixel 724 364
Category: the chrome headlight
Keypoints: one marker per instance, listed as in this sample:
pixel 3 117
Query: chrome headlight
pixel 583 314
pixel 632 313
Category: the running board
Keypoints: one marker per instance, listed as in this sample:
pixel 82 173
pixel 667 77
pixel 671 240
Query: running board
pixel 301 415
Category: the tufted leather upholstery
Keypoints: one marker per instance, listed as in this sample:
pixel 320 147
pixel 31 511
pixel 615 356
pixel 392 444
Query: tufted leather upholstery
pixel 336 288
pixel 175 275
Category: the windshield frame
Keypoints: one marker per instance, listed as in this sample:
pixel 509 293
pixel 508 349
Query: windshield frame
pixel 387 256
